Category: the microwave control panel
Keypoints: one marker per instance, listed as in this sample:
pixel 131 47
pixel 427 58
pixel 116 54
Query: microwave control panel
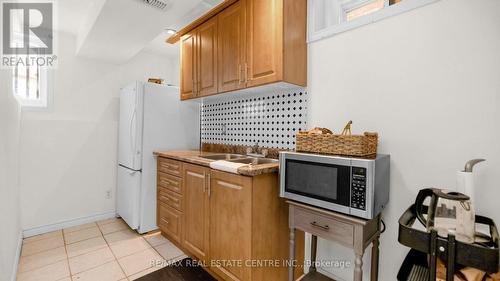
pixel 358 188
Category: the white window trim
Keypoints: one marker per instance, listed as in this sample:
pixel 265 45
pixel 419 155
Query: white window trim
pixel 388 11
pixel 46 83
pixel 46 80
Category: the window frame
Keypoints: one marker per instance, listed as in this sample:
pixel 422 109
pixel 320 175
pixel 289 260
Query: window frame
pixel 343 25
pixel 45 82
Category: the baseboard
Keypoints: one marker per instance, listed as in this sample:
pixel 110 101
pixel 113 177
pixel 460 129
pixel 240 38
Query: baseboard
pixel 18 256
pixel 65 224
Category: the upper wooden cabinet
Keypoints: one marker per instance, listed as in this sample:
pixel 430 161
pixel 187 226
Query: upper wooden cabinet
pixel 206 46
pixel 199 61
pixel 265 37
pixel 231 47
pixel 188 66
pixel 257 42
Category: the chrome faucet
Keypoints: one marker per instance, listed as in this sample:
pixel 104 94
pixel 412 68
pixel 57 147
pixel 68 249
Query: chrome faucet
pixel 254 151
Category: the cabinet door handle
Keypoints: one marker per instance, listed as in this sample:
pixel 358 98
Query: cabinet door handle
pixel 246 73
pixel 239 74
pixel 164 220
pixel 325 227
pixel 209 185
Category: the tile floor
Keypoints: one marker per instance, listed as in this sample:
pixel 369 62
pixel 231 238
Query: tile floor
pixel 104 251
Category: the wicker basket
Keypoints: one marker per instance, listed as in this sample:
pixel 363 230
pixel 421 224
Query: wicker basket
pixel 351 145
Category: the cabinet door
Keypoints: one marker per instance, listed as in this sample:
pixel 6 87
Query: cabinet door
pixel 196 210
pixel 207 58
pixel 231 47
pixel 230 224
pixel 188 66
pixel 264 41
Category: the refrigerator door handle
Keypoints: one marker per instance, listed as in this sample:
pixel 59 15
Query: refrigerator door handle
pixel 132 141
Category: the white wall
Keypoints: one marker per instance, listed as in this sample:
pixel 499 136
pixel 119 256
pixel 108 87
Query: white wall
pixel 429 82
pixel 68 152
pixel 10 217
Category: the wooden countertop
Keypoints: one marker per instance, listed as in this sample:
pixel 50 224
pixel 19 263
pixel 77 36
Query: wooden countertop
pixel 193 156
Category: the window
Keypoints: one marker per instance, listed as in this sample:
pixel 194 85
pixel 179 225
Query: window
pixel 329 17
pixel 30 85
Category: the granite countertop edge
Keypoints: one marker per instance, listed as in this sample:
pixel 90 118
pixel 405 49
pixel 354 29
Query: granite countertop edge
pixel 194 157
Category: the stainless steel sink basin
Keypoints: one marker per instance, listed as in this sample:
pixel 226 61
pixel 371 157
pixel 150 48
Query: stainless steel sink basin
pixel 255 161
pixel 224 156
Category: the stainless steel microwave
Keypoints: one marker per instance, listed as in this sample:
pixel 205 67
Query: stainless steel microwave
pixel 353 186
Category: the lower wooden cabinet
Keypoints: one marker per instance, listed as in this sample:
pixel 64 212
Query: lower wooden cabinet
pixel 229 222
pixel 169 222
pixel 196 210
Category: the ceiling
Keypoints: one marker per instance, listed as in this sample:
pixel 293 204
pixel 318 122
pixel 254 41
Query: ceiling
pixel 116 30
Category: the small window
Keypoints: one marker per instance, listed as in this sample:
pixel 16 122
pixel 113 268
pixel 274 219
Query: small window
pixel 329 17
pixel 29 82
pixel 30 85
pixel 355 9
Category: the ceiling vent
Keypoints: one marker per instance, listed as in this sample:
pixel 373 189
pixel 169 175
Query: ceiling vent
pixel 158 4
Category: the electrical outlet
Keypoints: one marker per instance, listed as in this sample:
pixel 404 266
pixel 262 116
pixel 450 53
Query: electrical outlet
pixel 108 194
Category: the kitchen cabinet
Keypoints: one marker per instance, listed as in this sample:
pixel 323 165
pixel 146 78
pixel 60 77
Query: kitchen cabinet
pixel 231 47
pixel 199 61
pixel 169 198
pixel 265 37
pixel 188 66
pixel 259 42
pixel 226 220
pixel 206 47
pixel 231 223
pixel 196 210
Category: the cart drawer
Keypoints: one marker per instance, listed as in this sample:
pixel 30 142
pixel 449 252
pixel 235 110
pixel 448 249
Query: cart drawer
pixel 324 226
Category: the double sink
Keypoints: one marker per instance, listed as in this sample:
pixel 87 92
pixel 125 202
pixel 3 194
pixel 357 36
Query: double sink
pixel 239 158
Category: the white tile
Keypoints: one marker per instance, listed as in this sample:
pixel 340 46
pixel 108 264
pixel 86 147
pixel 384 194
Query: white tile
pixel 39 246
pixel 169 251
pixel 120 236
pixel 140 261
pixel 90 260
pixel 81 235
pixel 128 247
pixel 42 259
pixel 155 239
pixel 86 246
pixel 107 272
pixel 52 272
pixel 79 227
pixel 113 227
pixel 106 221
pixel 52 234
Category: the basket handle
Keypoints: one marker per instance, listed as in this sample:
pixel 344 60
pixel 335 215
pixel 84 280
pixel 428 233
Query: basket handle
pixel 347 129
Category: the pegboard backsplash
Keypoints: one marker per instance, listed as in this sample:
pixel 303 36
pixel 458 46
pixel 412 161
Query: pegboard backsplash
pixel 269 119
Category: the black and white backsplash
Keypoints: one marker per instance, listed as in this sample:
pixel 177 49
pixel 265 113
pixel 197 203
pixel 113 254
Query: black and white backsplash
pixel 271 120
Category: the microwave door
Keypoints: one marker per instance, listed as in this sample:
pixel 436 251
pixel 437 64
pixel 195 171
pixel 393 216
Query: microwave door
pixel 322 184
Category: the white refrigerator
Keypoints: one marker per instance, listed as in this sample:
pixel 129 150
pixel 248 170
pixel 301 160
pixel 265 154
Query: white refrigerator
pixel 152 118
